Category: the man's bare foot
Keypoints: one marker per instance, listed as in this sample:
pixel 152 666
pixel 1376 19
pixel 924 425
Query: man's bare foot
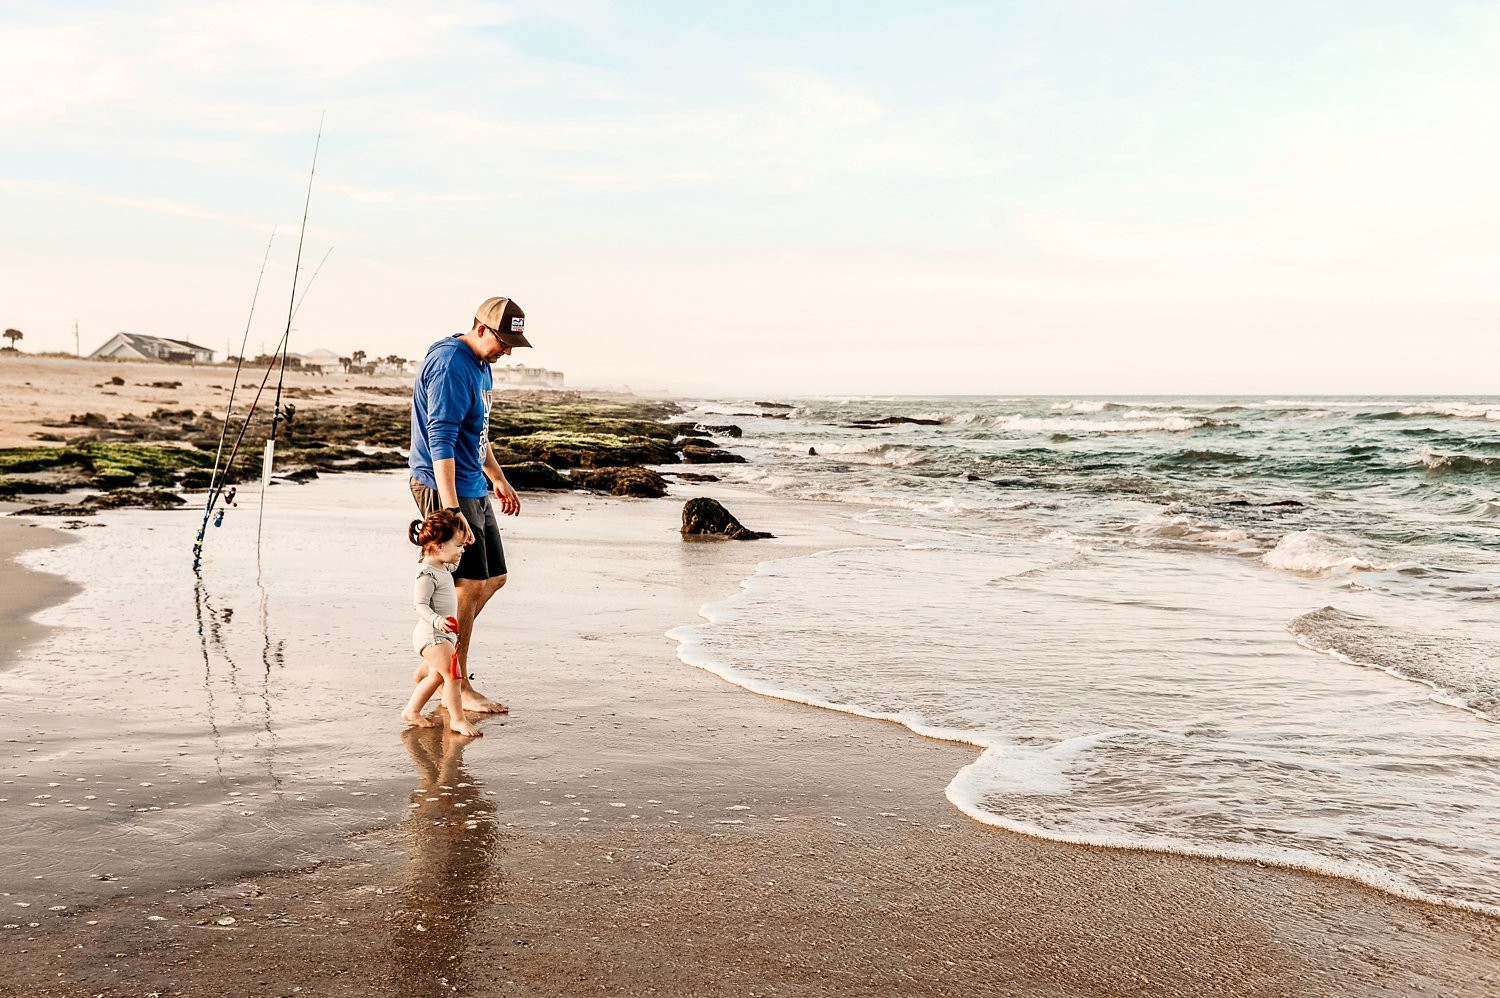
pixel 463 726
pixel 415 717
pixel 478 703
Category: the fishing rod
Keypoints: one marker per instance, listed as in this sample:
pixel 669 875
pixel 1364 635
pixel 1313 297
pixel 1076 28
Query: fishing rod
pixel 279 354
pixel 217 490
pixel 213 478
pixel 291 312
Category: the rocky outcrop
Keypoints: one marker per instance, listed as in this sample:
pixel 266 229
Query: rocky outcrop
pixel 535 476
pixel 704 517
pixel 641 482
pixel 113 499
pixel 698 454
pixel 872 424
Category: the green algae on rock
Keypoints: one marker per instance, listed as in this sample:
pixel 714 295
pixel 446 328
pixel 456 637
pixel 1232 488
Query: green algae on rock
pixel 535 476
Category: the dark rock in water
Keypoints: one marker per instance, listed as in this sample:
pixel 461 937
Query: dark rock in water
pixel 689 429
pixel 694 454
pixel 117 381
pixel 299 476
pixel 169 385
pixel 705 516
pixel 870 424
pixel 774 405
pixel 693 476
pixel 812 452
pixel 1058 438
pixel 114 499
pixel 724 429
pixel 88 419
pixel 641 482
pixel 535 476
pixel 971 477
pixel 1285 504
pixel 187 415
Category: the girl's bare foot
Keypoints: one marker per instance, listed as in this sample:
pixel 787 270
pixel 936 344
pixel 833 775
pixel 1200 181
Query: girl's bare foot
pixel 463 726
pixel 415 717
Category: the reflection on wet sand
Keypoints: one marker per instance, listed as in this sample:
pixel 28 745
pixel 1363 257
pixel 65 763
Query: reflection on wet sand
pixel 450 876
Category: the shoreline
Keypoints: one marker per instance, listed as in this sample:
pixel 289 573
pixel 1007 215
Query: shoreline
pixel 26 592
pixel 811 851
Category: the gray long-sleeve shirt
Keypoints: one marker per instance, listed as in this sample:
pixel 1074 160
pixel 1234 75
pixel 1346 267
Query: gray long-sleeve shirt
pixel 434 596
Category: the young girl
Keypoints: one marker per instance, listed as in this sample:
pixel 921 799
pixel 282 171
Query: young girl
pixel 441 538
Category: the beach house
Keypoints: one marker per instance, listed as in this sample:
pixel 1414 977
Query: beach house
pixel 137 346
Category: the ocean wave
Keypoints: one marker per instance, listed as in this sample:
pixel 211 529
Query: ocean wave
pixel 1458 464
pixel 888 455
pixel 1187 529
pixel 1460 669
pixel 1139 424
pixel 951 418
pixel 1203 457
pixel 1042 772
pixel 1086 405
pixel 1310 552
pixel 1456 410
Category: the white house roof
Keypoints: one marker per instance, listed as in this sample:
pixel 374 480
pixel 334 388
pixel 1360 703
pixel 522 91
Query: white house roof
pixel 139 340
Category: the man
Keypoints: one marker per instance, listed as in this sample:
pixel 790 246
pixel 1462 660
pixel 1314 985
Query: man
pixel 453 466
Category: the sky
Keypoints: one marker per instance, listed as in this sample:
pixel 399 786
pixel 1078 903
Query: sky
pixel 1066 197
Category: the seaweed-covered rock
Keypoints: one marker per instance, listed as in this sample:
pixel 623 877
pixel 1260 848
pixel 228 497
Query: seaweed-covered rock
pixel 696 454
pixel 641 482
pixel 723 429
pixel 693 476
pixel 113 499
pixel 704 516
pixel 534 476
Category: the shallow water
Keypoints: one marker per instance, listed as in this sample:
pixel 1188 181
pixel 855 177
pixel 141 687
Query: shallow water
pixel 175 729
pixel 1250 628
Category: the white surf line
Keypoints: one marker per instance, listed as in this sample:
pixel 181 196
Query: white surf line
pixel 1446 701
pixel 1277 856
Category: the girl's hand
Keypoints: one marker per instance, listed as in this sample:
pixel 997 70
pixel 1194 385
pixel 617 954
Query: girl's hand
pixel 448 625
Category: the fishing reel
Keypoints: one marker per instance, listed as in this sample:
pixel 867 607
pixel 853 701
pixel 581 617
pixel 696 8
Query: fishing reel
pixel 228 500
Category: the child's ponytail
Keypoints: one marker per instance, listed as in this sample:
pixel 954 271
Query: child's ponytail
pixel 437 528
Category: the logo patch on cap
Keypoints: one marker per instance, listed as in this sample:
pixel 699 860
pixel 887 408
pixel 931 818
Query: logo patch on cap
pixel 517 324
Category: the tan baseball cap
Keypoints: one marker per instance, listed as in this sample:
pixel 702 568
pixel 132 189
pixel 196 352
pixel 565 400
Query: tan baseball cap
pixel 506 319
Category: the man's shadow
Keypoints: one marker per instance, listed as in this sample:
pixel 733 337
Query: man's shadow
pixel 449 876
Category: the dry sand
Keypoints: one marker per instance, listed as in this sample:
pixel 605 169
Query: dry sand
pixel 37 393
pixel 758 847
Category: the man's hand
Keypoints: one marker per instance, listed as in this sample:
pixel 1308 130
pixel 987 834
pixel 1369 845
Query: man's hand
pixel 510 503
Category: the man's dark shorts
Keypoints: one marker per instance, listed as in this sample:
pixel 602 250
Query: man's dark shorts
pixel 485 558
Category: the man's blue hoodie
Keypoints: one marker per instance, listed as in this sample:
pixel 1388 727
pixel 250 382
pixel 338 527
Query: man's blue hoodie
pixel 450 416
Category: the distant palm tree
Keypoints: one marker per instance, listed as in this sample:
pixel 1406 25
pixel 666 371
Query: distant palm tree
pixel 358 356
pixel 13 335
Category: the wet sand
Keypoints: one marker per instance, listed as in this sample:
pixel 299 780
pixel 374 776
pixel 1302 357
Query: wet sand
pixel 24 592
pixel 635 826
